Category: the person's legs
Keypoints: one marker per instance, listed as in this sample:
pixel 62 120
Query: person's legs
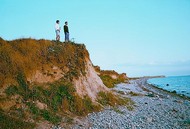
pixel 57 35
pixel 66 37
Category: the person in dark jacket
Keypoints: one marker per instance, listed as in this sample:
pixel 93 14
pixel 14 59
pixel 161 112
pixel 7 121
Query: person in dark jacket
pixel 66 31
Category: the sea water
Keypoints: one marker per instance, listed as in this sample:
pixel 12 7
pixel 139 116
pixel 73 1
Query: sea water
pixel 178 84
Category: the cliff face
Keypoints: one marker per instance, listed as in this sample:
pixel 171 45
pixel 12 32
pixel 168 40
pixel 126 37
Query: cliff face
pixel 42 80
pixel 90 84
pixel 43 61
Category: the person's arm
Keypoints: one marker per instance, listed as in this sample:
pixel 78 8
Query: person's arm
pixel 64 28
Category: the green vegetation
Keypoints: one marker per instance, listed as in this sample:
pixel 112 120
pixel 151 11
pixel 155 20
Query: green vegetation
pixel 50 116
pixel 11 90
pixel 109 81
pixel 59 97
pixel 117 110
pixel 108 98
pixel 33 109
pixel 62 97
pixel 134 94
pixel 24 89
pixel 110 77
pixel 8 122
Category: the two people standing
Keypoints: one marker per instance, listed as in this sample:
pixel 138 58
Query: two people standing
pixel 58 29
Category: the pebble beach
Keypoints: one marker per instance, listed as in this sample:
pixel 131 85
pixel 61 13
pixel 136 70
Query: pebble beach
pixel 153 109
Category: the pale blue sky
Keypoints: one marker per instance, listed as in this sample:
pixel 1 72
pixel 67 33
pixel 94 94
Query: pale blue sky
pixel 139 37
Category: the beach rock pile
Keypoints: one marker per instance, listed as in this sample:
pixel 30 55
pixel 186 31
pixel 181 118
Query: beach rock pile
pixel 150 113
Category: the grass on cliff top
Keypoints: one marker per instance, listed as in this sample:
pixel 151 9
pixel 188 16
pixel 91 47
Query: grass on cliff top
pixel 29 55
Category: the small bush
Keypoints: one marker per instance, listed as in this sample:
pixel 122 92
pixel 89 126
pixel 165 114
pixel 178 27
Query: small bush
pixel 50 117
pixel 134 94
pixel 59 91
pixel 38 93
pixel 21 81
pixel 11 90
pixel 108 98
pixel 34 109
pixel 109 81
pixel 89 105
pixel 83 106
pixel 117 110
pixel 23 87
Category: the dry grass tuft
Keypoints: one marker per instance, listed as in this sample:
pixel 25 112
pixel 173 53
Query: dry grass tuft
pixel 108 98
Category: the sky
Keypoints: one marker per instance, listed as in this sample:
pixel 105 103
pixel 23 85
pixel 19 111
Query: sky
pixel 137 37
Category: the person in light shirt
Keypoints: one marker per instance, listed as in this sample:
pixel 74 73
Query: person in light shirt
pixel 57 30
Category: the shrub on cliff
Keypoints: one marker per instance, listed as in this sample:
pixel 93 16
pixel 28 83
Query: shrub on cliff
pixel 110 77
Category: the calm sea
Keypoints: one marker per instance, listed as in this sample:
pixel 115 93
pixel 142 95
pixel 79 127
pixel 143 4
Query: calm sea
pixel 181 84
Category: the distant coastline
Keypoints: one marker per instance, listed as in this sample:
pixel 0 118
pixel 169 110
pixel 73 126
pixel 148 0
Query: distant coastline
pixel 158 76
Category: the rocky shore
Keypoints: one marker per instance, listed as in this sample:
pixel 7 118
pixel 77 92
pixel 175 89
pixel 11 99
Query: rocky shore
pixel 153 109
